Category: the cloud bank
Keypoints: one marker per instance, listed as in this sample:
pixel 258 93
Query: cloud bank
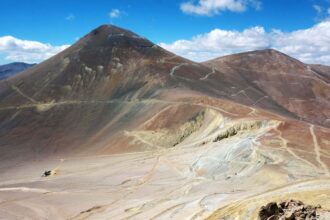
pixel 311 45
pixel 213 7
pixel 27 51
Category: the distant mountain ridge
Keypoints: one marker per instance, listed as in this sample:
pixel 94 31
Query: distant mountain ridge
pixel 10 69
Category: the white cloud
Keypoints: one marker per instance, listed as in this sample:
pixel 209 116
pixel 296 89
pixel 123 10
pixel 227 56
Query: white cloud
pixel 70 17
pixel 219 42
pixel 115 13
pixel 318 9
pixel 322 11
pixel 212 7
pixel 27 51
pixel 311 45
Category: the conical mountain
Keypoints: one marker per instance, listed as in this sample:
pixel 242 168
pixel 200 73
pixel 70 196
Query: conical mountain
pixel 123 129
pixel 69 98
pixel 92 90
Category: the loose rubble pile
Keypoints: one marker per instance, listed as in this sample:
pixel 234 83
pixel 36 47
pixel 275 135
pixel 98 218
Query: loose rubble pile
pixel 288 210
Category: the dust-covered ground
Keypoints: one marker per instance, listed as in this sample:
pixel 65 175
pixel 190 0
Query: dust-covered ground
pixel 210 165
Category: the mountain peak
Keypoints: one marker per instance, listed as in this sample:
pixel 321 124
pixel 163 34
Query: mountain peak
pixel 111 29
pixel 268 52
pixel 110 35
pixel 266 57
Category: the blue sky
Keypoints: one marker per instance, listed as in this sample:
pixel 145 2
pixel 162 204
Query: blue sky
pixel 173 24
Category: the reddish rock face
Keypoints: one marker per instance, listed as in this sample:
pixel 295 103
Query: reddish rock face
pixel 300 88
pixel 145 133
pixel 67 99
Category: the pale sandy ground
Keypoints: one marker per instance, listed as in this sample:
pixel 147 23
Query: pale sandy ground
pixel 196 179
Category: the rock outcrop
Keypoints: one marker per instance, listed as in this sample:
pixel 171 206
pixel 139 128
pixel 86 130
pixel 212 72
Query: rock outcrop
pixel 289 210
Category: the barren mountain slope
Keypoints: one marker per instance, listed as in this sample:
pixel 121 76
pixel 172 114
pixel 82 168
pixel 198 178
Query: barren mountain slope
pixel 102 83
pixel 302 89
pixel 128 130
